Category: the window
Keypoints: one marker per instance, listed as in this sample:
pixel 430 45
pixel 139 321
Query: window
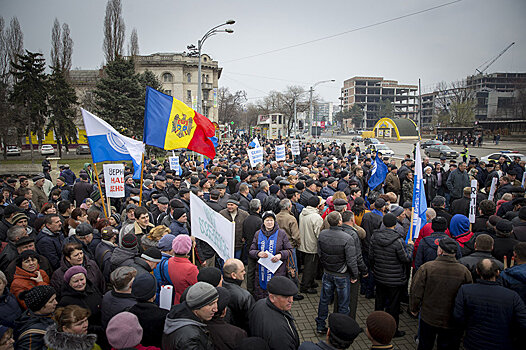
pixel 189 95
pixel 168 92
pixel 188 77
pixel 167 78
pixel 205 95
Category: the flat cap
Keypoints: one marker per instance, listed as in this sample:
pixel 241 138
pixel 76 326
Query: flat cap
pixel 281 285
pixel 344 327
pixel 163 200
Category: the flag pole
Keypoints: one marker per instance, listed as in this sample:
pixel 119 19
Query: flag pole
pixel 411 226
pixel 142 172
pixel 100 189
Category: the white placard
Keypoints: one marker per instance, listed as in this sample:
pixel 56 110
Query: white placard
pixel 174 164
pixel 268 264
pixel 523 179
pixel 295 147
pixel 165 297
pixel 493 188
pixel 255 155
pixel 473 202
pixel 280 153
pixel 114 180
pixel 212 227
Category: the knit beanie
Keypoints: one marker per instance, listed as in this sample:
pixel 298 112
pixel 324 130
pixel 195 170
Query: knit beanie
pixel 182 244
pixel 165 243
pixel 389 220
pixel 37 297
pixel 124 331
pixel 381 326
pixel 200 294
pixel 209 274
pixel 18 200
pixel 73 270
pixel 129 241
pixel 152 254
pixel 178 212
pixel 17 217
pixel 439 224
pixel 95 195
pixel 144 287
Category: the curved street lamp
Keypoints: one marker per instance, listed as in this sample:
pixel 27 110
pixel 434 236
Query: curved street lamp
pixel 310 101
pixel 200 43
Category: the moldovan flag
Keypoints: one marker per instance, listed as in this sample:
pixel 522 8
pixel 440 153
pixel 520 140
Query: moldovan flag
pixel 170 124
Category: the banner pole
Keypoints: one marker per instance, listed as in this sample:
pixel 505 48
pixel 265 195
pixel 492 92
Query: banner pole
pixel 411 226
pixel 193 254
pixel 142 172
pixel 100 189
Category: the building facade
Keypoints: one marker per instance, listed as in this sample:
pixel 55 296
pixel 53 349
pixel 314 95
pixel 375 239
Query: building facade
pixel 367 92
pixel 272 126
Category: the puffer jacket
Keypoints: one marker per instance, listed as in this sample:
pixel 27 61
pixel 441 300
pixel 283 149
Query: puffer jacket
pixel 489 312
pixel 472 260
pixel 241 302
pixel 388 256
pixel 56 340
pixel 9 309
pixel 514 278
pixel 30 329
pixel 184 331
pixel 338 252
pixel 310 227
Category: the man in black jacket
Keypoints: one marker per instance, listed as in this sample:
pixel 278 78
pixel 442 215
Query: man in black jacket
pixel 270 318
pixel 439 204
pixel 388 256
pixel 483 247
pixel 241 301
pixel 251 225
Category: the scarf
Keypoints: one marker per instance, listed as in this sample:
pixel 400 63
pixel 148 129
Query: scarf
pixel 266 244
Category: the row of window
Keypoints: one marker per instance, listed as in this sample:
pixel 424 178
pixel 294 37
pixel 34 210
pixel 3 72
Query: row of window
pixel 168 78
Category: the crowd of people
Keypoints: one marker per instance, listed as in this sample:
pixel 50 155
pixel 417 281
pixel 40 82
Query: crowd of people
pixel 77 274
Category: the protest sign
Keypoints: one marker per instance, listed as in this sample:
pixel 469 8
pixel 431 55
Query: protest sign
pixel 295 147
pixel 493 188
pixel 114 180
pixel 523 179
pixel 212 227
pixel 174 165
pixel 280 152
pixel 255 155
pixel 473 202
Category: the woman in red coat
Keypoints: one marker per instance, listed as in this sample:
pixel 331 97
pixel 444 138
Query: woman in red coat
pixel 28 274
pixel 181 270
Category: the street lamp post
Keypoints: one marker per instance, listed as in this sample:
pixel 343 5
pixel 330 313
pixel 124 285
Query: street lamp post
pixel 310 101
pixel 200 43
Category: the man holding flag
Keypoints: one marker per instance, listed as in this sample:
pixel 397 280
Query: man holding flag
pixel 419 204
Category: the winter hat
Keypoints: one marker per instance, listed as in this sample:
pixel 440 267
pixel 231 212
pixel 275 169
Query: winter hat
pixel 108 233
pixel 25 255
pixel 381 326
pixel 200 294
pixel 129 241
pixel 494 219
pixel 11 209
pixel 268 214
pixel 37 297
pixel 182 244
pixel 274 189
pixel 504 227
pixel 396 210
pixel 95 195
pixel 17 217
pixel 223 299
pixel 379 203
pixel 117 218
pixel 152 254
pixel 178 212
pixel 144 287
pixel 389 220
pixel 344 327
pixel 165 243
pixel 522 213
pixel 439 224
pixel 73 270
pixel 210 275
pixel 124 331
pixel 459 224
pixel 83 229
pixel 448 245
pixel 18 200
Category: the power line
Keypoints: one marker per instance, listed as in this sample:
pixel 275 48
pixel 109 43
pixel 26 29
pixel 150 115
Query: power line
pixel 270 78
pixel 346 32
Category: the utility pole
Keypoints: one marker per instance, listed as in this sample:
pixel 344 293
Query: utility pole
pixel 419 110
pixel 295 119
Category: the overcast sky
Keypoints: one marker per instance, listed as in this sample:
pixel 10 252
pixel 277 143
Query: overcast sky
pixel 444 44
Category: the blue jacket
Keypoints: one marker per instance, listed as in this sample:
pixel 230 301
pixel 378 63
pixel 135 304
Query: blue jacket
pixel 178 228
pixel 515 278
pixel 9 309
pixel 487 311
pixel 327 191
pixel 427 249
pixel 49 244
pixel 161 274
pixel 69 176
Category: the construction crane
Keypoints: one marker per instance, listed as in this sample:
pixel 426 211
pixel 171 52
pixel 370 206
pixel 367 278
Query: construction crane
pixel 486 66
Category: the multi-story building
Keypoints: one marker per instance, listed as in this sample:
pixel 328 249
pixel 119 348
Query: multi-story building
pixel 368 92
pixel 178 74
pixel 323 113
pixel 272 126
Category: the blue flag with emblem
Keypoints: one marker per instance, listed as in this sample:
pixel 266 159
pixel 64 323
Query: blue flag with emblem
pixel 378 173
pixel 107 145
pixel 419 205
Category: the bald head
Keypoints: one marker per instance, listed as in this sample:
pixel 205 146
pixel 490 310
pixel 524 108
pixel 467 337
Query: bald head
pixel 234 269
pixel 487 269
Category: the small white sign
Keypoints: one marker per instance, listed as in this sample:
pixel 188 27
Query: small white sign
pixel 493 188
pixel 114 180
pixel 280 153
pixel 473 202
pixel 255 155
pixel 268 264
pixel 295 147
pixel 174 164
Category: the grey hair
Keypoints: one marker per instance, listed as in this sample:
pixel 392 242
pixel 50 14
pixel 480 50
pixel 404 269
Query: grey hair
pixel 285 204
pixel 254 204
pixel 264 184
pixel 3 279
pixel 15 232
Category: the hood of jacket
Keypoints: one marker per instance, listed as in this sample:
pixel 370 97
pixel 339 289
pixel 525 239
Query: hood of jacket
pixel 518 272
pixel 309 211
pixel 28 319
pixel 65 341
pixel 120 255
pixel 180 316
pixel 386 236
pixel 47 232
pixel 459 225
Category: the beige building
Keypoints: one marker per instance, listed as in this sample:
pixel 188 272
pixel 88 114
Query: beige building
pixel 178 74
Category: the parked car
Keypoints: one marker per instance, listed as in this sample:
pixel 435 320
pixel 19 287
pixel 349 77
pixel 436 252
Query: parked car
pixel 382 148
pixel 357 139
pixel 370 140
pixel 83 149
pixel 13 151
pixel 47 150
pixel 428 143
pixel 438 151
pixel 509 155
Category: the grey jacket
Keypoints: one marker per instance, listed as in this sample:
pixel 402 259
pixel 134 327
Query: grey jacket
pixel 456 182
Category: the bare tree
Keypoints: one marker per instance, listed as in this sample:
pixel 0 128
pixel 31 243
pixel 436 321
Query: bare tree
pixel 114 30
pixel 14 43
pixel 4 62
pixel 230 105
pixel 56 45
pixel 133 46
pixel 67 48
pixel 455 104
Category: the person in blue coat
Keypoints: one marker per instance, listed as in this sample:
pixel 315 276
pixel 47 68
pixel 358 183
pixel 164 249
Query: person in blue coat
pixel 514 277
pixel 9 308
pixel 50 239
pixel 493 316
